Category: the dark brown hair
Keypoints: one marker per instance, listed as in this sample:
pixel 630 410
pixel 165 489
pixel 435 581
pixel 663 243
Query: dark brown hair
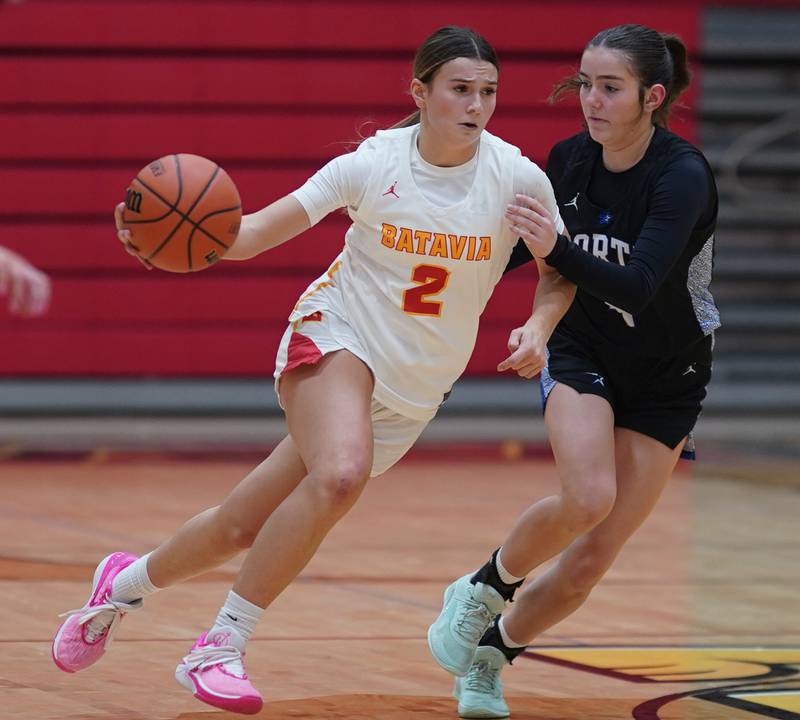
pixel 447 43
pixel 654 57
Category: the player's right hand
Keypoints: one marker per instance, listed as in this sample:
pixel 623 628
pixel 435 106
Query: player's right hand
pixel 126 238
pixel 528 352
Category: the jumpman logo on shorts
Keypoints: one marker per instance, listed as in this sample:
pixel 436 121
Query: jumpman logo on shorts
pixel 689 370
pixel 598 379
pixel 391 191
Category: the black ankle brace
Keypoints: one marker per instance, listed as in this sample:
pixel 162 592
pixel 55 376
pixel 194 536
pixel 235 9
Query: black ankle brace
pixel 493 637
pixel 489 576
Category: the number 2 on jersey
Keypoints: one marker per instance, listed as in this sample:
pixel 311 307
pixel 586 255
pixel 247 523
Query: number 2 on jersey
pixel 431 279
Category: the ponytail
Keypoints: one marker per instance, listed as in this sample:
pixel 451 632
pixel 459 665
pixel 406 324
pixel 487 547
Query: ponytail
pixel 681 77
pixel 407 121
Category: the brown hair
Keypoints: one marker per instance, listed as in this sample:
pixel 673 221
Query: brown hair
pixel 655 58
pixel 446 44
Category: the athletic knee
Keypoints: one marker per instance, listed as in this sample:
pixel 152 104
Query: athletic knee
pixel 340 483
pixel 587 507
pixel 241 536
pixel 235 532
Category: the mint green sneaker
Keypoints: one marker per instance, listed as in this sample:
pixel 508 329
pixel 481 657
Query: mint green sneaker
pixel 480 693
pixel 468 610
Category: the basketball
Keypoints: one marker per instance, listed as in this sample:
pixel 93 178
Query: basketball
pixel 183 212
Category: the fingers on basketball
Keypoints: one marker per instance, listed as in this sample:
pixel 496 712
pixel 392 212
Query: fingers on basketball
pixel 182 213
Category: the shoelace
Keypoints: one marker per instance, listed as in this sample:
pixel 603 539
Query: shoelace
pixel 206 657
pixel 482 678
pixel 103 618
pixel 474 618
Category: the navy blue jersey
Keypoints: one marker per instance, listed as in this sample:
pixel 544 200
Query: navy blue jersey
pixel 641 245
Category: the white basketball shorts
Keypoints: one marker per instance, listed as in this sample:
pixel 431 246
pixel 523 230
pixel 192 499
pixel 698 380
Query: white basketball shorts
pixel 308 339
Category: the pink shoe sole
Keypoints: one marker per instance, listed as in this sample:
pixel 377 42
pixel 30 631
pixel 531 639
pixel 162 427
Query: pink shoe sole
pixel 214 673
pixel 248 705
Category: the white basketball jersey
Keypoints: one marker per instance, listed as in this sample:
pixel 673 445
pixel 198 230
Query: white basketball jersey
pixel 414 278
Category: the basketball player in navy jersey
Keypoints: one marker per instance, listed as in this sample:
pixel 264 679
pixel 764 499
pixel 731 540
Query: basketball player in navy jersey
pixel 628 365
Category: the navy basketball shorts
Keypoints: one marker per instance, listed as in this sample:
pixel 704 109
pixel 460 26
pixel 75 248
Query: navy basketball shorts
pixel 658 397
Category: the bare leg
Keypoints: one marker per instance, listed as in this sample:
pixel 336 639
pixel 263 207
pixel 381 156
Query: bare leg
pixel 581 432
pixel 328 409
pixel 644 466
pixel 216 535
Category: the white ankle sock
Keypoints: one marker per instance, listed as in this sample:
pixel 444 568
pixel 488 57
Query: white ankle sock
pixel 238 613
pixel 505 576
pixel 133 582
pixel 507 641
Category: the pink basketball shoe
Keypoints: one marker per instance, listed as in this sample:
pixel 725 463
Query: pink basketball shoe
pixel 84 636
pixel 214 672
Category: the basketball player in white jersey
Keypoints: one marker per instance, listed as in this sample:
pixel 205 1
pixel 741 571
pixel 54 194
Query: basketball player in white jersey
pixel 372 348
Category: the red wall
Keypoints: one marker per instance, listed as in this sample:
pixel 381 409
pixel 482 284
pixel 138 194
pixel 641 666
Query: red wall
pixel 94 90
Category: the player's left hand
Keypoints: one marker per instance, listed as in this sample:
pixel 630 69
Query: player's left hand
pixel 531 221
pixel 528 350
pixel 125 237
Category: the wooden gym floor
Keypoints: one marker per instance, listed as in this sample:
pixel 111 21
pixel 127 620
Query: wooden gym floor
pixel 697 620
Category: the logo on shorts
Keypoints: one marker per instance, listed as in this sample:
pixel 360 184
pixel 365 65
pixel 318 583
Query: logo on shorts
pixel 689 370
pixel 391 191
pixel 598 379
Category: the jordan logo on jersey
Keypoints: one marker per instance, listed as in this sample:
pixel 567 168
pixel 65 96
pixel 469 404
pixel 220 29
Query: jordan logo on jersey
pixel 573 202
pixel 391 190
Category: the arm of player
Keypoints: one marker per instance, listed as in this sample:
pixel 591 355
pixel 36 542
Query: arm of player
pixel 682 195
pixel 527 345
pixel 533 222
pixel 259 231
pixel 268 228
pixel 338 184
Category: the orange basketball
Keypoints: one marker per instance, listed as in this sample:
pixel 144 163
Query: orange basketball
pixel 183 212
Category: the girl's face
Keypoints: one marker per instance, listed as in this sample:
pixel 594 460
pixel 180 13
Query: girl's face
pixel 610 98
pixel 457 104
